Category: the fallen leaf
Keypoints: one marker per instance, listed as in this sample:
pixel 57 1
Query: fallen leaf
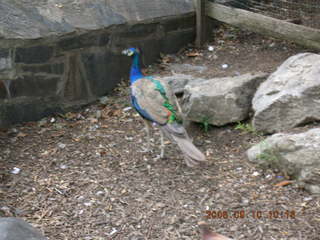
pixel 102 153
pixel 21 134
pixel 93 120
pixel 193 54
pixel 57 134
pixel 69 116
pixel 166 59
pixel 283 183
pixel 45 153
pixel 144 71
pixel 112 113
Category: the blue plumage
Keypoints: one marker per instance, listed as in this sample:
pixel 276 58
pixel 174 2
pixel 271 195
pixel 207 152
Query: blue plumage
pixel 136 74
pixel 143 113
pixel 135 71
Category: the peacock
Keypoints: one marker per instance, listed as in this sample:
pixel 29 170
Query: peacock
pixel 157 105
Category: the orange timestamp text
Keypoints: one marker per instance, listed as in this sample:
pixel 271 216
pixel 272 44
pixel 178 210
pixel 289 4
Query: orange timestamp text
pixel 256 214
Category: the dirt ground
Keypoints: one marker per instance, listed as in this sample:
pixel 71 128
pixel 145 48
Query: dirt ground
pixel 85 175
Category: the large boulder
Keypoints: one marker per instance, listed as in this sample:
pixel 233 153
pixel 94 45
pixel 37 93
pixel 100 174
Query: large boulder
pixel 17 229
pixel 297 155
pixel 290 96
pixel 220 101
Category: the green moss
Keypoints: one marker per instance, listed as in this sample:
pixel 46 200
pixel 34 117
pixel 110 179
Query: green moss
pixel 247 127
pixel 205 123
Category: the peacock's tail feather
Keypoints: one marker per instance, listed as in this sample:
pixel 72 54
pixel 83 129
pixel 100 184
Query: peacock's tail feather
pixel 178 134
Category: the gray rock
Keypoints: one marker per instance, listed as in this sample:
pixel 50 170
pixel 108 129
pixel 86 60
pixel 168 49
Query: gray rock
pixel 17 229
pixel 177 82
pixel 297 155
pixel 187 68
pixel 220 101
pixel 290 96
pixel 104 100
pixel 182 74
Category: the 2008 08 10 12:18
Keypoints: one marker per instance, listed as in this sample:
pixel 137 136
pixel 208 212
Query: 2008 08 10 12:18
pixel 273 214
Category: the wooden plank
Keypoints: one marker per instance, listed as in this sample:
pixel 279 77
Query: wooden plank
pixel 201 22
pixel 302 35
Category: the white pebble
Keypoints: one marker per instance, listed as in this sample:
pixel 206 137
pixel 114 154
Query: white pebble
pixel 15 170
pixel 127 109
pixel 224 66
pixel 99 193
pixel 61 145
pixel 62 166
pixel 255 174
pixel 113 231
pixel 87 204
pixel 307 199
pixel 211 48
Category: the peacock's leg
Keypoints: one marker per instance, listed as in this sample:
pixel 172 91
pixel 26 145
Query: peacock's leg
pixel 162 144
pixel 147 127
pixel 178 106
pixel 185 122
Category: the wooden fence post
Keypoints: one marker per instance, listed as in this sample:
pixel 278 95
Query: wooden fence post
pixel 201 22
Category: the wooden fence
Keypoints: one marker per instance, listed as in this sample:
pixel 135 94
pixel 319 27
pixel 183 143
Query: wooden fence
pixel 302 35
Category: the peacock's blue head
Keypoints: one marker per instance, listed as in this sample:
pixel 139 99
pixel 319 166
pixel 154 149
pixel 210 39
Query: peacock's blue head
pixel 131 51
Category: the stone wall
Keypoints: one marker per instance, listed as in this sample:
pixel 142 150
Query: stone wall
pixel 54 72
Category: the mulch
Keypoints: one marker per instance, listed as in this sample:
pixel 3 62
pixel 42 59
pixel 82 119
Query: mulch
pixel 86 175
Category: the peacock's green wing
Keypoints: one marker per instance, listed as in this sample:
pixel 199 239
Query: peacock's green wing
pixel 156 99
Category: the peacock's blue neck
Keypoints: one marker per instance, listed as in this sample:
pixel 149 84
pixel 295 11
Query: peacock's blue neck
pixel 135 72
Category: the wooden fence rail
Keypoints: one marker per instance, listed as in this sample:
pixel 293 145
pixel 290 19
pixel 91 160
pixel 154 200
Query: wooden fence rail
pixel 305 36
